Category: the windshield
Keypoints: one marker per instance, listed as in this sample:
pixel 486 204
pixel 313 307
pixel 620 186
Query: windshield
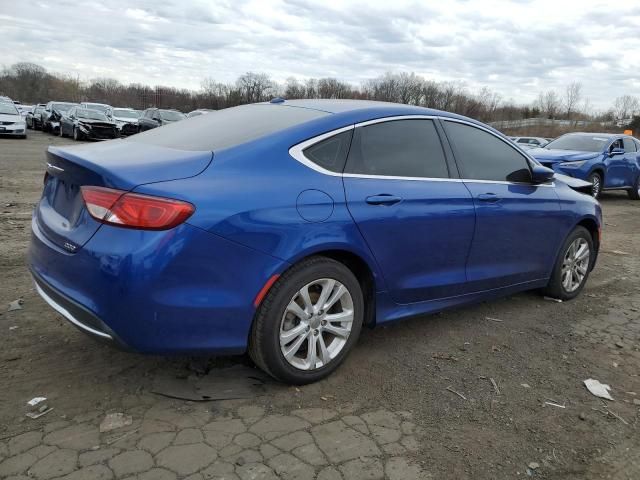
pixel 62 107
pixel 90 114
pixel 124 113
pixel 8 109
pixel 171 115
pixel 582 143
pixel 38 109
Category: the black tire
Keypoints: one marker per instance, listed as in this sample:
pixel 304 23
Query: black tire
pixel 596 184
pixel 555 287
pixel 264 342
pixel 634 193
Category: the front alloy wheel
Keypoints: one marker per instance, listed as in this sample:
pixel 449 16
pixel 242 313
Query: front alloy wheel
pixel 572 266
pixel 308 321
pixel 596 184
pixel 575 265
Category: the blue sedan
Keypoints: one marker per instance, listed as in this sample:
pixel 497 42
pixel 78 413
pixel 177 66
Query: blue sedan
pixel 608 162
pixel 282 228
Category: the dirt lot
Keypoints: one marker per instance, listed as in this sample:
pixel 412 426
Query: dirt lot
pixel 386 413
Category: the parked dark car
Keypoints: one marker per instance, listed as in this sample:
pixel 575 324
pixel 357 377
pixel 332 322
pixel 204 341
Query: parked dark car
pixel 50 117
pixel 126 120
pixel 84 124
pixel 314 218
pixel 157 117
pixel 33 118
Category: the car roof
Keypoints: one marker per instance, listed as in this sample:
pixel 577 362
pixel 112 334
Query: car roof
pixel 343 106
pixel 590 134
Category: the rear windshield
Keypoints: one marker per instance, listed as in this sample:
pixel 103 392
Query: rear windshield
pixel 226 128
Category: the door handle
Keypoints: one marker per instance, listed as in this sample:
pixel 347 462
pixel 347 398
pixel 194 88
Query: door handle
pixel 383 199
pixel 488 197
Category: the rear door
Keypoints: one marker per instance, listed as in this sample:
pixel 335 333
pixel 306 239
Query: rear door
pixel 417 220
pixel 631 161
pixel 519 225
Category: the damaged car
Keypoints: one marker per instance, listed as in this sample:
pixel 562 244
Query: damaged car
pixel 84 124
pixel 50 117
pixel 126 120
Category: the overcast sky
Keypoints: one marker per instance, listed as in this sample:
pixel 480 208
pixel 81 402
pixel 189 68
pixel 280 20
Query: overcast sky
pixel 516 48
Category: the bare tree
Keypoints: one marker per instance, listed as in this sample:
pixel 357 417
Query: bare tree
pixel 255 87
pixel 573 96
pixel 626 106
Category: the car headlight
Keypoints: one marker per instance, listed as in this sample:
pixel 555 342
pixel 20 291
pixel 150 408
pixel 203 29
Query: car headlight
pixel 572 164
pixel 83 128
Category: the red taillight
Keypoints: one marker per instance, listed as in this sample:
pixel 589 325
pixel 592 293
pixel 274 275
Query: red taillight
pixel 133 210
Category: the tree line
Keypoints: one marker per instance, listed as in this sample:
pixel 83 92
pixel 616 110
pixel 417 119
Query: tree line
pixel 32 83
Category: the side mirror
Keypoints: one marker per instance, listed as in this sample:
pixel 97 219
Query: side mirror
pixel 540 174
pixel 616 151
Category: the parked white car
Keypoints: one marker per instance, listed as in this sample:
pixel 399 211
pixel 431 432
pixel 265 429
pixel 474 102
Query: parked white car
pixel 11 122
pixel 126 120
pixel 530 142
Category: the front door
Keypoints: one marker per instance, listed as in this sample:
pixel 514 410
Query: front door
pixel 416 219
pixel 519 225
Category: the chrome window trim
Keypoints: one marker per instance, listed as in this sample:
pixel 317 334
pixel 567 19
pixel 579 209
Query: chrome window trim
pixel 297 152
pixel 65 313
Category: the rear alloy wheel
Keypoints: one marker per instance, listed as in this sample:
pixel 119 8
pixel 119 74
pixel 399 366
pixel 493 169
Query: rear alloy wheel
pixel 634 193
pixel 573 265
pixel 596 184
pixel 308 321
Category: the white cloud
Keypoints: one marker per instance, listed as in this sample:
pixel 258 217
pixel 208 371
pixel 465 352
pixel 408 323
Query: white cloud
pixel 514 47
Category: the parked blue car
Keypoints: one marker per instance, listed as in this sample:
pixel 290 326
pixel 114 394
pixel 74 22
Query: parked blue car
pixel 282 228
pixel 607 162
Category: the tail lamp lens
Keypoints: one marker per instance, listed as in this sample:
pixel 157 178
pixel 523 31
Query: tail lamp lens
pixel 134 210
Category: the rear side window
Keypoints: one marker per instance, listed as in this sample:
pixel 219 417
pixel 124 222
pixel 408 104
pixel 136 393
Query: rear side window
pixel 483 156
pixel 629 145
pixel 331 153
pixel 226 128
pixel 399 148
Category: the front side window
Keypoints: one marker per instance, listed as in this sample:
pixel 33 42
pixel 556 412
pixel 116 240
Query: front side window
pixel 483 156
pixel 330 153
pixel 398 148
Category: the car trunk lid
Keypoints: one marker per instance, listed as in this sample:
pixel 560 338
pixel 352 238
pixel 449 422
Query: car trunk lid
pixel 61 214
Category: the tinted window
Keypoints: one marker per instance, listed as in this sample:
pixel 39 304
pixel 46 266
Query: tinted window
pixel 629 145
pixel 483 156
pixel 227 128
pixel 330 153
pixel 401 148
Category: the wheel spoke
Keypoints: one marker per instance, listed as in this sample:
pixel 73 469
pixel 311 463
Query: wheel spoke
pixel 312 356
pixel 583 252
pixel 291 351
pixel 325 357
pixel 294 308
pixel 566 279
pixel 327 288
pixel 582 268
pixel 304 293
pixel 337 331
pixel 346 316
pixel 287 336
pixel 337 295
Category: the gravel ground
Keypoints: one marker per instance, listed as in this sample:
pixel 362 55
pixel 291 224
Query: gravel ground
pixel 389 412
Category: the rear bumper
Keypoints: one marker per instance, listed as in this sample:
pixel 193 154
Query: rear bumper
pixel 181 291
pixel 76 314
